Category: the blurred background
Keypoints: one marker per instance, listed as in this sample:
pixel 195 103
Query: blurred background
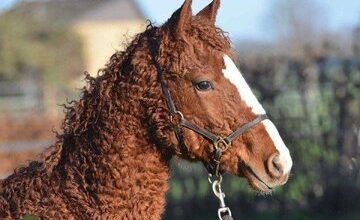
pixel 301 57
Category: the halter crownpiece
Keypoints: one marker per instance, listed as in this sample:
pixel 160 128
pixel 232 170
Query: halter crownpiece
pixel 220 144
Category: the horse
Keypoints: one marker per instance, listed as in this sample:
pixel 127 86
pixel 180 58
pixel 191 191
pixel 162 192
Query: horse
pixel 174 92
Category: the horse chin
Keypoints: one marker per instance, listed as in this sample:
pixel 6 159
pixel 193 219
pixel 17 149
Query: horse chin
pixel 256 183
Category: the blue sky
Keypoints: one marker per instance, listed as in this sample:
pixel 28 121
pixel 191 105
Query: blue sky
pixel 245 19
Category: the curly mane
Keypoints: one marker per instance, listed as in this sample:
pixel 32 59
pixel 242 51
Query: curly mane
pixel 128 74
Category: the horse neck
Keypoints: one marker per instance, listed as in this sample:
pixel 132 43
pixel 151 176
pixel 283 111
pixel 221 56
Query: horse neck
pixel 124 171
pixel 136 179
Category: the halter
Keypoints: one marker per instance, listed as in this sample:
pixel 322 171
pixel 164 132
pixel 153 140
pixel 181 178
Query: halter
pixel 220 143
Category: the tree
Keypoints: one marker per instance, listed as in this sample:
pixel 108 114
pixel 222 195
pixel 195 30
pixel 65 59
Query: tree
pixel 297 23
pixel 29 46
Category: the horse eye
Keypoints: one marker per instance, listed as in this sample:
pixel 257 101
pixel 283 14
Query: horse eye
pixel 203 86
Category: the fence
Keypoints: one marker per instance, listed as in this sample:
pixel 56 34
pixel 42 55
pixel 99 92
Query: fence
pixel 20 96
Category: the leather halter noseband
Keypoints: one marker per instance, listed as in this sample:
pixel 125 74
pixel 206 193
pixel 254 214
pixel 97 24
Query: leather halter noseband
pixel 221 144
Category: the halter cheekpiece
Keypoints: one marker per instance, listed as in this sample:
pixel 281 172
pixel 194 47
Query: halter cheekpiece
pixel 220 144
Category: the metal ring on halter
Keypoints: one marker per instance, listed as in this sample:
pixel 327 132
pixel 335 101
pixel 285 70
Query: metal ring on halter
pixel 176 113
pixel 221 144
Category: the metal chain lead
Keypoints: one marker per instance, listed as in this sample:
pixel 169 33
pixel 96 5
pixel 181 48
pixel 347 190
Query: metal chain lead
pixel 224 212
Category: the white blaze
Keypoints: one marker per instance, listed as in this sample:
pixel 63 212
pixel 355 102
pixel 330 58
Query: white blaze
pixel 232 73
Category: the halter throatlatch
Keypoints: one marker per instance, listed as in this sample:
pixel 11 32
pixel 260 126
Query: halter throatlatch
pixel 220 144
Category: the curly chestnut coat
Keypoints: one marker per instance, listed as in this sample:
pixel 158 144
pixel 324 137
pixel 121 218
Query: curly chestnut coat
pixel 111 161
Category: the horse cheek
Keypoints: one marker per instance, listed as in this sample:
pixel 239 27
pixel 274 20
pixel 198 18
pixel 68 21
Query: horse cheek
pixel 193 144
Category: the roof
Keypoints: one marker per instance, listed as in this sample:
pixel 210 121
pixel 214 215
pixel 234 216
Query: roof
pixel 72 11
pixel 113 10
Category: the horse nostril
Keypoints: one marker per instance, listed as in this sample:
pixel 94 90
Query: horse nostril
pixel 275 167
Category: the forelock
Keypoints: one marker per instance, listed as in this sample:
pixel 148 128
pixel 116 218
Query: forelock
pixel 202 31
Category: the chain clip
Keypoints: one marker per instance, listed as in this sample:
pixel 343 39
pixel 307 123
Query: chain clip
pixel 216 187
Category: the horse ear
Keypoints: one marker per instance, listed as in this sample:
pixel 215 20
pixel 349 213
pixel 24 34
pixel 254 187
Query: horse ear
pixel 181 18
pixel 210 11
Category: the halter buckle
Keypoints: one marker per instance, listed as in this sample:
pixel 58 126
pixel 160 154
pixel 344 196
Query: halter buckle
pixel 176 117
pixel 221 144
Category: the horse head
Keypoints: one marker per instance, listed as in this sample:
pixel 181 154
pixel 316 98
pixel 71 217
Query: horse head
pixel 207 89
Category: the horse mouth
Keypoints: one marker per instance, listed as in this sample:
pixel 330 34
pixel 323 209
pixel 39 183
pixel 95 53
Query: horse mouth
pixel 255 181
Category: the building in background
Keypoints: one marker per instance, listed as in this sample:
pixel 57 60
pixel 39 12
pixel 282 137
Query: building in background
pixel 103 26
pixel 107 28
